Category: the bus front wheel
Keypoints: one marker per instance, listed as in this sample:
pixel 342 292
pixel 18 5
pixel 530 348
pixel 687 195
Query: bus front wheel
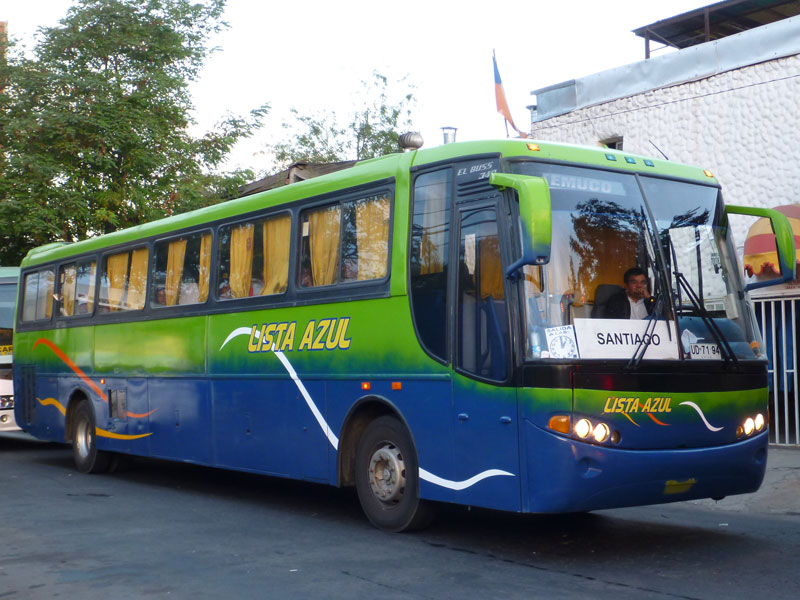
pixel 387 477
pixel 87 458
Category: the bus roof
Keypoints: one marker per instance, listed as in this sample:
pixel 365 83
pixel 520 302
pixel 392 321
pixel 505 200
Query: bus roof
pixel 372 170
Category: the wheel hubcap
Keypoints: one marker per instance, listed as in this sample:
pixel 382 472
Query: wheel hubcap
pixel 387 474
pixel 83 438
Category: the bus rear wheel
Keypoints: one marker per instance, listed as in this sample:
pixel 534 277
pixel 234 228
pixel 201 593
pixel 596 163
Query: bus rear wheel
pixel 87 458
pixel 387 477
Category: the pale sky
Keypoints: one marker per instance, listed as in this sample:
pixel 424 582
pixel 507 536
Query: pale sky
pixel 313 55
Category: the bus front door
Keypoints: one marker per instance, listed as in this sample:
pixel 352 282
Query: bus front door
pixel 486 431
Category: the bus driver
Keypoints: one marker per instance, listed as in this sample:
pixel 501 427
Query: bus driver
pixel 634 300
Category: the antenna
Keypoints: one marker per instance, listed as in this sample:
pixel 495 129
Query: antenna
pixel 659 150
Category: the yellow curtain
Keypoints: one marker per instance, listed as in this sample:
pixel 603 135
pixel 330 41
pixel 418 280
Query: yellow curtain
pixel 175 258
pixel 137 284
pixel 90 293
pixel 117 272
pixel 324 228
pixel 68 290
pixel 276 243
pixel 372 237
pixel 205 267
pixel 491 269
pixel 241 260
pixel 47 297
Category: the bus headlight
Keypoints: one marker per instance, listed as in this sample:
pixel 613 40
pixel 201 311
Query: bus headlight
pixel 601 432
pixel 759 422
pixel 749 426
pixel 583 428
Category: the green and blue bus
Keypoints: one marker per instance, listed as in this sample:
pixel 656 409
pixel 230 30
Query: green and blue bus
pixel 429 327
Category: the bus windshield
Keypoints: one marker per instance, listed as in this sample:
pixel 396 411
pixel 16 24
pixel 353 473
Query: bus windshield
pixel 577 306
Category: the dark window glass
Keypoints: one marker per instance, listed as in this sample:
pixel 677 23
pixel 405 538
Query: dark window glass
pixel 430 232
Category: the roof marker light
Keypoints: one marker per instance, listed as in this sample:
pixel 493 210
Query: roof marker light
pixel 534 147
pixel 630 160
pixel 611 157
pixel 708 173
pixel 649 163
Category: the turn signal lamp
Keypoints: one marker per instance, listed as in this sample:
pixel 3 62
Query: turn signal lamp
pixel 559 423
pixel 366 385
pixel 533 147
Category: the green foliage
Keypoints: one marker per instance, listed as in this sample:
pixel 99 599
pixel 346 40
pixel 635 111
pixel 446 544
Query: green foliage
pixel 94 128
pixel 372 130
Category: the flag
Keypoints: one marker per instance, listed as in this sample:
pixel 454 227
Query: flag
pixel 500 96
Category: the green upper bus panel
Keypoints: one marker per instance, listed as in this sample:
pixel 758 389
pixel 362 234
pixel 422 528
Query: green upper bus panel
pixel 387 167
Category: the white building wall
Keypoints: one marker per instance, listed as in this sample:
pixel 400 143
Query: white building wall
pixel 743 125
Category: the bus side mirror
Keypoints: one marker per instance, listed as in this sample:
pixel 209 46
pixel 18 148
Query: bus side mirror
pixel 784 242
pixel 535 215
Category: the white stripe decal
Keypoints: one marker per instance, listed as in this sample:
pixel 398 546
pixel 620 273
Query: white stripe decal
pixel 314 410
pixel 702 416
pixel 334 441
pixel 460 485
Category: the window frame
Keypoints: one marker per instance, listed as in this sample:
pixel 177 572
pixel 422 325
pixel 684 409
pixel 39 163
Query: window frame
pixel 150 304
pixel 339 199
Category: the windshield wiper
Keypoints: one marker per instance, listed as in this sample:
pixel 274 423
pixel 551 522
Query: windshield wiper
pixel 708 320
pixel 725 347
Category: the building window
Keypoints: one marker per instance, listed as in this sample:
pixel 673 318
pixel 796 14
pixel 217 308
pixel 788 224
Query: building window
pixel 612 143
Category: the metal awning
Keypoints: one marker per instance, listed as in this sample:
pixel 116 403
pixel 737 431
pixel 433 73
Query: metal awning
pixel 716 21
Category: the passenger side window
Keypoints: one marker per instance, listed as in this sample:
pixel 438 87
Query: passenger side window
pixel 182 270
pixel 346 242
pixel 124 281
pixel 76 283
pixel 254 258
pixel 37 298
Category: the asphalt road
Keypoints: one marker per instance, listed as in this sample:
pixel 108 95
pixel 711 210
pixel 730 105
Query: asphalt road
pixel 168 530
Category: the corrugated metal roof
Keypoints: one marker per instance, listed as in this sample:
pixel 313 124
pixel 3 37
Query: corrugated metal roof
pixel 716 21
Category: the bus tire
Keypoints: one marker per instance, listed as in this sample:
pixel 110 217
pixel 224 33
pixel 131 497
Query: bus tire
pixel 87 458
pixel 387 477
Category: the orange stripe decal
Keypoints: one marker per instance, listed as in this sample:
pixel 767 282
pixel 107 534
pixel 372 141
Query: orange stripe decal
pixel 657 421
pixel 629 419
pixel 53 402
pixel 85 378
pixel 118 436
pixel 67 361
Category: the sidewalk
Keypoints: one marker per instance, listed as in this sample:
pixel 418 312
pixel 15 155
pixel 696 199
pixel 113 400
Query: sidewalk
pixel 780 492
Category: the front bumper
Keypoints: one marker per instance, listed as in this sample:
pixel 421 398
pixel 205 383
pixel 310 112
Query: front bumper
pixel 569 476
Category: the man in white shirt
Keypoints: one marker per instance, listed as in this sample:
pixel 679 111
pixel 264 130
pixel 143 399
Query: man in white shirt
pixel 634 301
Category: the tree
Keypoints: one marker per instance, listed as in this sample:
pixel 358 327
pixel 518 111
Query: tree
pixel 370 131
pixel 94 128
